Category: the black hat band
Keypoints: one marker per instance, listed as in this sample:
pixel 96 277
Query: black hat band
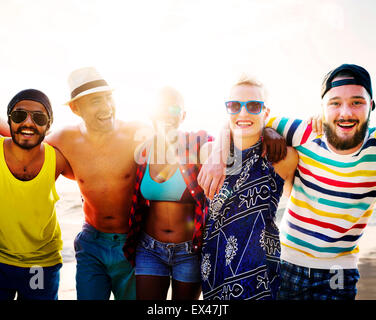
pixel 87 86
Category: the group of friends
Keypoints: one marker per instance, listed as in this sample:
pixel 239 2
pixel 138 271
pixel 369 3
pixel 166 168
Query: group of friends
pixel 171 209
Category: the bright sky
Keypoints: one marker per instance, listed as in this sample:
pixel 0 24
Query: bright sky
pixel 199 47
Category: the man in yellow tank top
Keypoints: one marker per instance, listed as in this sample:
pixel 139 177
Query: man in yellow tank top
pixel 30 237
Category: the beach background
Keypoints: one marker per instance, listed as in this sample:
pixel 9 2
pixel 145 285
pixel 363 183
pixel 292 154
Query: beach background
pixel 198 47
pixel 71 218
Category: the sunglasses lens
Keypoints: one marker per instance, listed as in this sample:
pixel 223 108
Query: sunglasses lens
pixel 233 107
pixel 18 116
pixel 40 119
pixel 174 111
pixel 254 106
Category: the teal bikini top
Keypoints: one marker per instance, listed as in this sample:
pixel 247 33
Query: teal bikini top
pixel 174 189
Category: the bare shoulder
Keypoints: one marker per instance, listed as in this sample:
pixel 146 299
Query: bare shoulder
pixel 62 165
pixel 136 132
pixel 62 136
pixel 60 159
pixel 131 126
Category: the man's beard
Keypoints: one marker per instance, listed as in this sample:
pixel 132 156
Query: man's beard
pixel 26 146
pixel 345 144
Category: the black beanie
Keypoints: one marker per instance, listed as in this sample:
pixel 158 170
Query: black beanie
pixel 34 95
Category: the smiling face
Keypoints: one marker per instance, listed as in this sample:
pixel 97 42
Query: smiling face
pixel 169 112
pixel 346 115
pixel 97 110
pixel 246 127
pixel 27 134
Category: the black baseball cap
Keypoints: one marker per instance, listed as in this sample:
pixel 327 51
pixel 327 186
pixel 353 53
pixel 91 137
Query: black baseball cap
pixel 360 77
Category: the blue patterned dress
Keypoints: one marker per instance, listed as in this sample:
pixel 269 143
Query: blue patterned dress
pixel 241 248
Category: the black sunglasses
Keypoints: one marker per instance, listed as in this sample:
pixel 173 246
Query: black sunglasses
pixel 39 118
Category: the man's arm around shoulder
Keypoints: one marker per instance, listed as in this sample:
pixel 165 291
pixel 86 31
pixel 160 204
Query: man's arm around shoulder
pixel 58 138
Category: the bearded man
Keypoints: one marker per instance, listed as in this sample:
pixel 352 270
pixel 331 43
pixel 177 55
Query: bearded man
pixel 30 237
pixel 334 190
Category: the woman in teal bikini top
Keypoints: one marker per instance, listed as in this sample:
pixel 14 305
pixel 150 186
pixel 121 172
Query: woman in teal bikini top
pixel 174 189
pixel 164 250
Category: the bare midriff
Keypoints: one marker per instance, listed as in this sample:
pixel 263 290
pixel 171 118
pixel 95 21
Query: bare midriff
pixel 171 222
pixel 107 206
pixel 105 171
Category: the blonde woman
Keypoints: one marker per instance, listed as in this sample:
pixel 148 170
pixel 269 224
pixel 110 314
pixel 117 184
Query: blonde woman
pixel 241 249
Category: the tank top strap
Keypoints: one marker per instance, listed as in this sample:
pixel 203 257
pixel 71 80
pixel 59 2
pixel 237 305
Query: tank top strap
pixel 2 157
pixel 50 159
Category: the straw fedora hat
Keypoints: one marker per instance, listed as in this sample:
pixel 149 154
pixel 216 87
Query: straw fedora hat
pixel 85 81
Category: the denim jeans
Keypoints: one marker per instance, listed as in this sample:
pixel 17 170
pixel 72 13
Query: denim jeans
pixel 102 267
pixel 167 259
pixel 35 283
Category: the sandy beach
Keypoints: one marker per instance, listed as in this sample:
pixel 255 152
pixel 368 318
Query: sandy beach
pixel 70 216
pixel 367 263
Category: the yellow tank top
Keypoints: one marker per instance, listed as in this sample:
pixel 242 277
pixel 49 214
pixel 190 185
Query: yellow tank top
pixel 29 231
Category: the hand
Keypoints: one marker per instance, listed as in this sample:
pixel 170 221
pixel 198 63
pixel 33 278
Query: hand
pixel 4 128
pixel 273 145
pixel 316 122
pixel 212 176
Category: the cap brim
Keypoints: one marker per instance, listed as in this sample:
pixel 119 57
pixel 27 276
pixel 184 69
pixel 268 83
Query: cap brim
pixel 90 91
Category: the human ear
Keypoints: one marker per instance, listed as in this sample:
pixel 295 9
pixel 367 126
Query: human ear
pixel 183 116
pixel 266 112
pixel 74 108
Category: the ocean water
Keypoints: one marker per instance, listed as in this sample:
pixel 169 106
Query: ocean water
pixel 66 185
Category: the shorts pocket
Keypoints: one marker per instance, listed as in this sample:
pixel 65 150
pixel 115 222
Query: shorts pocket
pixel 76 242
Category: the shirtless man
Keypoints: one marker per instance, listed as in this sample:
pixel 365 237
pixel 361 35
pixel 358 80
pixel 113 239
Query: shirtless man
pixel 30 237
pixel 100 151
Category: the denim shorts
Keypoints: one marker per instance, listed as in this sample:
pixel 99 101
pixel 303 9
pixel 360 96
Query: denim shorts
pixel 155 258
pixel 102 267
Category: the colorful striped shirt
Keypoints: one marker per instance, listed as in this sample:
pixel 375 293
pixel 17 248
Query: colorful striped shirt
pixel 332 199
